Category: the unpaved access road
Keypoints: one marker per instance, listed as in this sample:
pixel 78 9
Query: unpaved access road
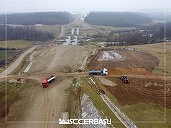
pixel 41 108
pixel 16 63
pixel 59 58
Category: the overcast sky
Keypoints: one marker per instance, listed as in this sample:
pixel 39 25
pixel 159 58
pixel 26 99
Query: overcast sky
pixel 82 5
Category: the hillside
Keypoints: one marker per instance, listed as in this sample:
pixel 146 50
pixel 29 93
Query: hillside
pixel 46 18
pixel 117 19
pixel 23 33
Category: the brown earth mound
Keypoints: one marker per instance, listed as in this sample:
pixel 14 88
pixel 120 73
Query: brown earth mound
pixel 135 71
pixel 141 90
pixel 123 58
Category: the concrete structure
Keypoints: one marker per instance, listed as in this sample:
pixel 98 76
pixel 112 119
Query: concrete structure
pixel 70 41
pixel 75 30
pixel 72 31
pixel 78 31
pixel 75 41
pixel 67 41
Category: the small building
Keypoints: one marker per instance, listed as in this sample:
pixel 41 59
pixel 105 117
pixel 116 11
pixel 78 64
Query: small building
pixel 71 41
pixel 74 41
pixel 67 41
pixel 72 31
pixel 78 31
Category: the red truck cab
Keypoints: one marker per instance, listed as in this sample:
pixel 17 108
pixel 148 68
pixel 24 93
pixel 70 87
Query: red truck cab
pixel 45 83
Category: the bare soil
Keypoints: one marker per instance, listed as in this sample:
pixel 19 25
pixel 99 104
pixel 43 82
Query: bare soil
pixel 139 90
pixel 59 58
pixel 107 81
pixel 39 107
pixel 123 58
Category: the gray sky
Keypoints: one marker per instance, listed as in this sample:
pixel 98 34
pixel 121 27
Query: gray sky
pixel 82 5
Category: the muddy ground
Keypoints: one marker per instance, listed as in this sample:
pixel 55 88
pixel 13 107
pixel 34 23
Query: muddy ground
pixel 141 90
pixel 123 58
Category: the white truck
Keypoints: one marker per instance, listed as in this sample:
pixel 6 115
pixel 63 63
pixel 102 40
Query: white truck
pixel 104 71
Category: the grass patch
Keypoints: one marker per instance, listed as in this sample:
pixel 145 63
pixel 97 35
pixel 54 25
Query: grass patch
pixel 55 29
pixel 22 66
pixel 17 44
pixel 73 106
pixel 88 32
pixel 110 28
pixel 158 51
pixel 7 56
pixel 99 103
pixel 10 54
pixel 13 89
pixel 73 101
pixel 142 114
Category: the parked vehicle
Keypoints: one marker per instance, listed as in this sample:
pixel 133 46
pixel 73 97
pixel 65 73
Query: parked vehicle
pixel 47 81
pixel 124 78
pixel 104 71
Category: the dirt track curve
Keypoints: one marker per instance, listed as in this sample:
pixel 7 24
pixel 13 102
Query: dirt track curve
pixel 16 63
pixel 42 108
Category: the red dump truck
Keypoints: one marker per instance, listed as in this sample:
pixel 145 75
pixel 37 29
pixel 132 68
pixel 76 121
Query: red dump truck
pixel 45 82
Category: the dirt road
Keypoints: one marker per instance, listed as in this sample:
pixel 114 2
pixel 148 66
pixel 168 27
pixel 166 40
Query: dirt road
pixel 16 63
pixel 62 32
pixel 77 23
pixel 60 58
pixel 43 107
pixel 30 64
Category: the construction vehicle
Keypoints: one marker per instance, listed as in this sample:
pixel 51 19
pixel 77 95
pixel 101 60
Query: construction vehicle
pixel 47 81
pixel 104 71
pixel 124 78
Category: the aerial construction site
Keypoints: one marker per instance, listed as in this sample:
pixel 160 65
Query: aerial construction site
pixel 61 84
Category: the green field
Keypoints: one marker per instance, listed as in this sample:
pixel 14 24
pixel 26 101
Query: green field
pixel 99 103
pixel 157 50
pixel 55 29
pixel 18 44
pixel 11 54
pixel 108 29
pixel 8 53
pixel 10 91
pixel 142 114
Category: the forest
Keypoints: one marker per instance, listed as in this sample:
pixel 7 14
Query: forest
pixel 23 33
pixel 117 19
pixel 45 18
pixel 151 34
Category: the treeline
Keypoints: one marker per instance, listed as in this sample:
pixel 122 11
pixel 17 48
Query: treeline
pixel 161 31
pixel 129 38
pixel 46 18
pixel 23 33
pixel 7 48
pixel 149 34
pixel 117 19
